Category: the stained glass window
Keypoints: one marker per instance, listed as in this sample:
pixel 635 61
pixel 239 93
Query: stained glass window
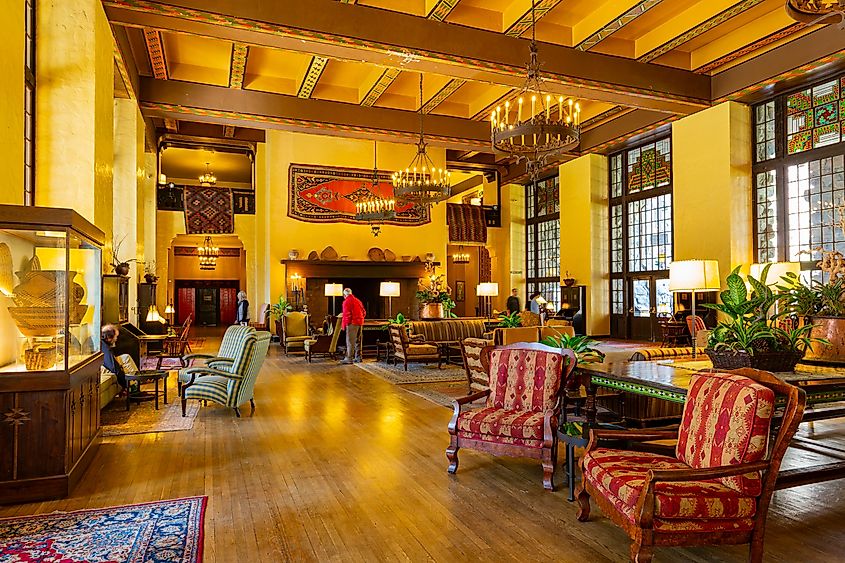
pixel 764 131
pixel 649 166
pixel 766 213
pixel 650 233
pixel 814 116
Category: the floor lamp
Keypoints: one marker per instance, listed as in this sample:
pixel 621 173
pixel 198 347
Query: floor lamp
pixel 333 290
pixel 390 290
pixel 487 290
pixel 692 276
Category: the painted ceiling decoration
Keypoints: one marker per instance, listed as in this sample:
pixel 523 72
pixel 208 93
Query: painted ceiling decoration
pixel 661 56
pixel 815 11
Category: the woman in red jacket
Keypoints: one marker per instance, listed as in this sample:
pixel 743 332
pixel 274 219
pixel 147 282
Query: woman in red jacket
pixel 353 321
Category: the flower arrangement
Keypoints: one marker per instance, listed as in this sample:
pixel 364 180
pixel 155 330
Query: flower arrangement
pixel 432 290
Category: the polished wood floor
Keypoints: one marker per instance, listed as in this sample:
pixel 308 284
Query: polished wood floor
pixel 337 465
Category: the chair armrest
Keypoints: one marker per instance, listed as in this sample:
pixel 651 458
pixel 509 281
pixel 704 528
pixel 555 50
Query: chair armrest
pixel 217 359
pixel 597 434
pixel 197 356
pixel 456 404
pixel 206 370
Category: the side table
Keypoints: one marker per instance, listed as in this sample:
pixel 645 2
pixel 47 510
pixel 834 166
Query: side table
pixel 154 376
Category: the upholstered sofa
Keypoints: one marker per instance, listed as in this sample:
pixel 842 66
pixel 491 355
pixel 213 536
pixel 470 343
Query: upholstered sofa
pixel 505 336
pixel 448 330
pixel 108 387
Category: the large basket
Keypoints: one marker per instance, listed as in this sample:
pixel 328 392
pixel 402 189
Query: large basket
pixel 768 361
pixel 40 358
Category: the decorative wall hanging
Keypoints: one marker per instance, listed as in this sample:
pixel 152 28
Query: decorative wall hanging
pixel 485 265
pixel 327 194
pixel 466 223
pixel 208 210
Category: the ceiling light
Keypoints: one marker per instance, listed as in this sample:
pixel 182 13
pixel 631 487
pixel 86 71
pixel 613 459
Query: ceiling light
pixel 532 126
pixel 207 179
pixel 208 254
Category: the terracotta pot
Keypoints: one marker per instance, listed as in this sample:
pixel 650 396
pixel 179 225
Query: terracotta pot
pixel 122 269
pixel 833 330
pixel 432 311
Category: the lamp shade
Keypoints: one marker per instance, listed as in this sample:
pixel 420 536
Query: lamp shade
pixel 169 310
pixel 487 289
pixel 153 314
pixel 776 270
pixel 694 275
pixel 333 289
pixel 389 289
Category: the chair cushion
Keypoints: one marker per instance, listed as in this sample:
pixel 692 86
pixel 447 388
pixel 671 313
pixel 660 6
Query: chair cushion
pixel 620 475
pixel 299 339
pixel 448 330
pixel 296 324
pixel 421 350
pixel 210 388
pixel 725 422
pixel 524 428
pixel 524 379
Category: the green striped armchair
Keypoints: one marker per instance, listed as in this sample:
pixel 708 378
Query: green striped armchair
pixel 228 348
pixel 231 383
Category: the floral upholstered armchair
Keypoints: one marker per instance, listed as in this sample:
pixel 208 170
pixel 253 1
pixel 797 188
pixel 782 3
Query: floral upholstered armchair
pixel 717 487
pixel 520 417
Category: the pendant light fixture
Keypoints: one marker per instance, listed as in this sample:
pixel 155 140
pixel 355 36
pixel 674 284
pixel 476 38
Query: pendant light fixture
pixel 208 179
pixel 374 208
pixel 422 183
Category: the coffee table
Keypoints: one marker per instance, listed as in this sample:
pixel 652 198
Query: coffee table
pixel 149 376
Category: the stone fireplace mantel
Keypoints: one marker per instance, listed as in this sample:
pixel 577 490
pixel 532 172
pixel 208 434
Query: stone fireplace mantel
pixel 355 269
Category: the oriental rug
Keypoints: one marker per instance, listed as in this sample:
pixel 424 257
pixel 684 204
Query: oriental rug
pixel 168 531
pixel 209 210
pixel 417 373
pixel 466 223
pixel 327 194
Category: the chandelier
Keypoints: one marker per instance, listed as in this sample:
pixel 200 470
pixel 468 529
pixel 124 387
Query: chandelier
pixel 460 257
pixel 817 11
pixel 208 254
pixel 422 183
pixel 374 209
pixel 541 131
pixel 208 179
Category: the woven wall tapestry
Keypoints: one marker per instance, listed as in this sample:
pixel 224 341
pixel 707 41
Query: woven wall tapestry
pixel 326 194
pixel 466 223
pixel 485 265
pixel 208 210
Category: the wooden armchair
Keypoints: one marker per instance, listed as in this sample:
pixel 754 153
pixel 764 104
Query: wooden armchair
pixel 295 330
pixel 477 374
pixel 718 486
pixel 262 321
pixel 175 347
pixel 407 351
pixel 521 415
pixel 325 344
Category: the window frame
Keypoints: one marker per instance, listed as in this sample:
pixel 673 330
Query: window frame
pixel 533 222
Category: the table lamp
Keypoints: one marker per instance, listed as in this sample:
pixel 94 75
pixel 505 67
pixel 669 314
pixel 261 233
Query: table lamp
pixel 169 311
pixel 390 290
pixel 692 276
pixel 333 290
pixel 486 291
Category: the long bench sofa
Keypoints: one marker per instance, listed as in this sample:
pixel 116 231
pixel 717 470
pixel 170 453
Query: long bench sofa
pixel 448 330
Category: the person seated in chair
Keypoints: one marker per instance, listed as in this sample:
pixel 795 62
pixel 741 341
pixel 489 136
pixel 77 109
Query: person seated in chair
pixel 118 365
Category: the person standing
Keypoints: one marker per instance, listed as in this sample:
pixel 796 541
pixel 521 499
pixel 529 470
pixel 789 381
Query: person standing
pixel 353 322
pixel 242 311
pixel 534 304
pixel 513 302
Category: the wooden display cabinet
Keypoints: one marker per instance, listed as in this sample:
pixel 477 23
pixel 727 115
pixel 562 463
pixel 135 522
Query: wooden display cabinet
pixel 50 291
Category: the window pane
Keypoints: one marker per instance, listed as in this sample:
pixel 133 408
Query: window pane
pixel 642 298
pixel 650 234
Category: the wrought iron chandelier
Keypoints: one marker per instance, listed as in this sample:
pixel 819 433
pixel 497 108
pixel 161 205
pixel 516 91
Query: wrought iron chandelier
pixel 375 209
pixel 460 257
pixel 422 183
pixel 817 11
pixel 207 179
pixel 547 130
pixel 208 254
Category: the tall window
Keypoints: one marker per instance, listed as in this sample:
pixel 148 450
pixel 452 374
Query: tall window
pixel 640 230
pixel 542 214
pixel 29 106
pixel 799 173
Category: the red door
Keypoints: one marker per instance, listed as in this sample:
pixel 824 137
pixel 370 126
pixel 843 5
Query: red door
pixel 185 303
pixel 228 305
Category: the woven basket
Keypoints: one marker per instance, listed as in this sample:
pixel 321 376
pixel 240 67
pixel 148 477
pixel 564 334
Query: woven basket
pixel 40 358
pixel 768 361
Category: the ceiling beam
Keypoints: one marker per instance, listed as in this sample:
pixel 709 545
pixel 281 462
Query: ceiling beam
pixel 169 99
pixel 635 11
pixel 441 9
pixel 382 83
pixel 391 39
pixel 448 89
pixel 237 66
pixel 155 50
pixel 312 76
pixel 523 23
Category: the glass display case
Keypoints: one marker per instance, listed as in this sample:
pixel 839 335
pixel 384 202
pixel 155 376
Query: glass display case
pixel 49 298
pixel 50 359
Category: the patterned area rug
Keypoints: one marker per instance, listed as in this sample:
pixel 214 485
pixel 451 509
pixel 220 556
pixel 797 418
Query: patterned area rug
pixel 417 373
pixel 208 210
pixel 142 418
pixel 169 531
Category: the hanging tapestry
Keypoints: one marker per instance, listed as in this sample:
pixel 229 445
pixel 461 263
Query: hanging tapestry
pixel 485 265
pixel 466 223
pixel 326 194
pixel 208 210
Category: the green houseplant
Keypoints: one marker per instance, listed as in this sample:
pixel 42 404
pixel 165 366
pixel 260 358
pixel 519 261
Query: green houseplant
pixel 434 295
pixel 583 346
pixel 277 311
pixel 510 320
pixel 753 334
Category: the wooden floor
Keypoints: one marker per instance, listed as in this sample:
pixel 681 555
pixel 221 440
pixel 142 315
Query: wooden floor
pixel 337 465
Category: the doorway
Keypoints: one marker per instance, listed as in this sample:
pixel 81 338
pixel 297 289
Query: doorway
pixel 210 303
pixel 650 299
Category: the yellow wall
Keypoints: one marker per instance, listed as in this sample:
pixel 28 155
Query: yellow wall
pixel 513 219
pixel 286 233
pixel 711 168
pixel 12 103
pixel 584 234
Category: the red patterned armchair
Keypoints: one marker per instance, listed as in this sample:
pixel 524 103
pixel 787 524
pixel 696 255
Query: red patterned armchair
pixel 523 405
pixel 717 487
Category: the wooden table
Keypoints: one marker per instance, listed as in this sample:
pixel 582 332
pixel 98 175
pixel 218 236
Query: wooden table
pixel 145 340
pixel 669 380
pixel 146 377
